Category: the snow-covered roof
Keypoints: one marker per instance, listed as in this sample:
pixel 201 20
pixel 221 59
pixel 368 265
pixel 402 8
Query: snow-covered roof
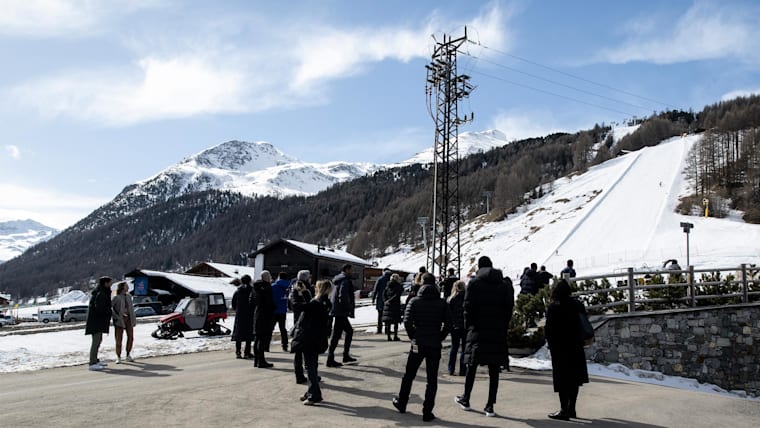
pixel 233 271
pixel 195 283
pixel 329 253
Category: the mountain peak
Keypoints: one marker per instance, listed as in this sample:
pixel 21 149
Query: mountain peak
pixel 240 156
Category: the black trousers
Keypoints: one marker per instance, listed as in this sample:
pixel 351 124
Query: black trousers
pixel 279 319
pixel 341 325
pixel 298 364
pixel 493 382
pixel 457 339
pixel 567 398
pixel 311 359
pixel 432 358
pixel 238 344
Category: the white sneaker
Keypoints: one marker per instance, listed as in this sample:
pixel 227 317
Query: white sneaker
pixel 130 359
pixel 96 367
pixel 118 360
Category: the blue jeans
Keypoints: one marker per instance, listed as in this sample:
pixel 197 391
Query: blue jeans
pixel 457 341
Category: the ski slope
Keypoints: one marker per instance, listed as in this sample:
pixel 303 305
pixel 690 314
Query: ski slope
pixel 616 215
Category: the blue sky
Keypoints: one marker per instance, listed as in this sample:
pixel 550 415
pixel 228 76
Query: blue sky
pixel 97 95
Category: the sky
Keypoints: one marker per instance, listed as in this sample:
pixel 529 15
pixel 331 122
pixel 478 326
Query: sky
pixel 95 96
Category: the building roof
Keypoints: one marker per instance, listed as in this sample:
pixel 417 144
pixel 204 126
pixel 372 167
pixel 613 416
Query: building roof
pixel 196 284
pixel 319 251
pixel 232 271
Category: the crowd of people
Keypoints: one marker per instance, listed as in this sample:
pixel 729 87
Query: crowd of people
pixel 476 314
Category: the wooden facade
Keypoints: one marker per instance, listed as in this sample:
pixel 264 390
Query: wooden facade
pixel 290 257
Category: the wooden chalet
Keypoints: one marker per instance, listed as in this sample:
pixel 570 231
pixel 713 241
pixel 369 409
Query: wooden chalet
pixel 289 256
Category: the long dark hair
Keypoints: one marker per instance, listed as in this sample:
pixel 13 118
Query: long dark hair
pixel 561 290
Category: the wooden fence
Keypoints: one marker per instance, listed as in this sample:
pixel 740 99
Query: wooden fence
pixel 633 290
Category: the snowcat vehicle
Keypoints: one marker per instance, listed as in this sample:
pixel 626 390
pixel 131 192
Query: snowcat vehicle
pixel 202 313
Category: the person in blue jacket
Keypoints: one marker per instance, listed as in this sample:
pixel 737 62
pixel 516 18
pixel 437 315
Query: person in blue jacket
pixel 280 293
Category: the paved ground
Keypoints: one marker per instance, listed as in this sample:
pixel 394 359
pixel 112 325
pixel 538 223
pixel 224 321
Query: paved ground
pixel 215 389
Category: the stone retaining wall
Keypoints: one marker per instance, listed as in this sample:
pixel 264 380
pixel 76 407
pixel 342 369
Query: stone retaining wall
pixel 718 345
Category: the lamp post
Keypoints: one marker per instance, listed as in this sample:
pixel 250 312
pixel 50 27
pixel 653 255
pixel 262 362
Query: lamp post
pixel 687 229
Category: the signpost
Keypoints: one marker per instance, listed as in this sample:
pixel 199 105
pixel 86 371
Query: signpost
pixel 687 229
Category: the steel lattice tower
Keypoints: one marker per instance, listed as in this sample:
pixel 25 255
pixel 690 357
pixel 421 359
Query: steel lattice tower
pixel 445 89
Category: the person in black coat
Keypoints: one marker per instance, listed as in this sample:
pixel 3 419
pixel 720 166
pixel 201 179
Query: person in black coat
pixel 563 334
pixel 378 297
pixel 448 283
pixel 487 312
pixel 242 302
pixel 98 319
pixel 392 306
pixel 456 307
pixel 310 337
pixel 427 322
pixel 299 296
pixel 263 316
pixel 343 306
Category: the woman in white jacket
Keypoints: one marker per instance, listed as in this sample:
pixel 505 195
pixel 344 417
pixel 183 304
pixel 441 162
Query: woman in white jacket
pixel 123 320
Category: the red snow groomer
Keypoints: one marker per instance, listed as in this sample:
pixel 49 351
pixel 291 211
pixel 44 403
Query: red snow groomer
pixel 202 313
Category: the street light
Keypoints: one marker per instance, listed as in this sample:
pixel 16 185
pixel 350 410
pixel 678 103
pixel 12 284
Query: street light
pixel 687 229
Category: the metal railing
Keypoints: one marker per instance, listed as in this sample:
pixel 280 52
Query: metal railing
pixel 680 288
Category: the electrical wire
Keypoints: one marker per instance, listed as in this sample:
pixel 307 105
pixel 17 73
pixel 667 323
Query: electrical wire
pixel 557 83
pixel 553 93
pixel 571 75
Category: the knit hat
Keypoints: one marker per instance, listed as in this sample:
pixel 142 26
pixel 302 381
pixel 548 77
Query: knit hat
pixel 303 275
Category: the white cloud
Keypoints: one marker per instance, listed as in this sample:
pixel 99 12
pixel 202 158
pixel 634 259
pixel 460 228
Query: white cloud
pixel 156 88
pixel 211 76
pixel 62 18
pixel 708 30
pixel 51 208
pixel 336 53
pixel 520 124
pixel 13 151
pixel 740 93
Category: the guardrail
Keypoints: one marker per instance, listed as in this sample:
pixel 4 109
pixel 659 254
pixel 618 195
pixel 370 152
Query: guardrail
pixel 632 290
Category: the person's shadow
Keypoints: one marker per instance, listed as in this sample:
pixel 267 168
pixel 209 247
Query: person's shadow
pixel 140 369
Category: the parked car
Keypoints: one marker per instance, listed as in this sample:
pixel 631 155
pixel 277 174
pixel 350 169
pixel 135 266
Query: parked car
pixel 144 311
pixel 6 320
pixel 75 314
pixel 47 315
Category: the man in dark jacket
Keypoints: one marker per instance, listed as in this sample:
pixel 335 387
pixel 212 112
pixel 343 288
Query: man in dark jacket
pixel 263 315
pixel 98 319
pixel 448 283
pixel 342 299
pixel 487 312
pixel 243 330
pixel 280 291
pixel 427 322
pixel 568 271
pixel 378 297
pixel 299 296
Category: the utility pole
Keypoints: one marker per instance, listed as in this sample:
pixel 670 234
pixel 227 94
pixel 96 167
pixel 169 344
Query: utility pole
pixel 422 221
pixel 488 194
pixel 444 89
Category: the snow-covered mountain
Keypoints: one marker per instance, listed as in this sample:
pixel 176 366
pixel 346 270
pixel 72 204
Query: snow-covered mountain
pixel 253 169
pixel 618 214
pixel 18 235
pixel 469 143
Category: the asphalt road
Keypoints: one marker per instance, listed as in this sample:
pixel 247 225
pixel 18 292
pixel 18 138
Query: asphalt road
pixel 215 389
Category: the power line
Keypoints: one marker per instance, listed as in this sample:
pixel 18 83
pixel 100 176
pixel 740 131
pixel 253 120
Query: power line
pixel 553 93
pixel 573 76
pixel 558 83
